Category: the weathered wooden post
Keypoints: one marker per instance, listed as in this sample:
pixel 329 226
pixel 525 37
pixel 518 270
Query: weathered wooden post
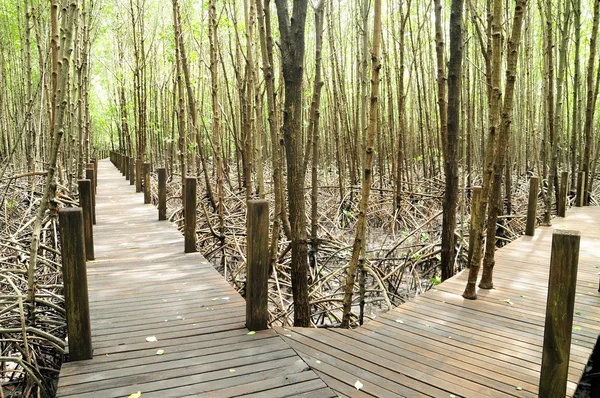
pixel 90 175
pixel 85 201
pixel 257 268
pixel 532 206
pixel 190 215
pixel 138 173
pixel 94 163
pixel 580 197
pixel 123 170
pixel 162 194
pixel 75 283
pixel 562 194
pixel 132 174
pixel 147 191
pixel 127 168
pixel 475 203
pixel 559 313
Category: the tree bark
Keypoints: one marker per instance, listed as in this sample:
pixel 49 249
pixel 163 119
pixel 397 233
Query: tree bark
pixel 292 31
pixel 361 225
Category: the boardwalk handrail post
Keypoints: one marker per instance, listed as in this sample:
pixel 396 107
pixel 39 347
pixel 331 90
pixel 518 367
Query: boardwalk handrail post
pixel 162 194
pixel 85 201
pixel 532 206
pixel 564 259
pixel 138 173
pixel 127 168
pixel 257 269
pixel 475 202
pixel 90 174
pixel 75 282
pixel 580 196
pixel 562 195
pixel 190 214
pixel 147 190
pixel 132 173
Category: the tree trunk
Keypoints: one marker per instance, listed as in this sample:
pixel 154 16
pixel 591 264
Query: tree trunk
pixel 292 33
pixel 361 226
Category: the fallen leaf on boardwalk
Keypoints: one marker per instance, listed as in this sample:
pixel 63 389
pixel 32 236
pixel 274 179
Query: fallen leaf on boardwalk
pixel 358 385
pixel 232 370
pixel 576 327
pixel 578 313
pixel 287 335
pixel 251 332
pixel 317 361
pixel 224 298
pixel 136 395
pixel 215 299
pixel 160 352
pixel 519 388
pixel 452 396
pixel 507 301
pixel 151 339
pixel 522 296
pixel 399 321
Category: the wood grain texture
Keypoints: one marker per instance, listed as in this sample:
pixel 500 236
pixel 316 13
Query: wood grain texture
pixel 189 230
pixel 440 344
pixel 142 284
pixel 85 201
pixel 534 183
pixel 75 279
pixel 559 313
pixel 257 312
pixel 147 182
pixel 162 194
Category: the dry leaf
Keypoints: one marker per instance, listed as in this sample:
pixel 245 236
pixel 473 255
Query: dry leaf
pixel 358 385
pixel 151 339
pixel 136 395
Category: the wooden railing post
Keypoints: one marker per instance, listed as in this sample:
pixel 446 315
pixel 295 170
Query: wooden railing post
pixel 138 173
pixel 75 283
pixel 85 201
pixel 257 268
pixel 132 174
pixel 127 168
pixel 147 190
pixel 162 194
pixel 559 313
pixel 562 194
pixel 580 197
pixel 532 206
pixel 475 203
pixel 190 214
pixel 91 175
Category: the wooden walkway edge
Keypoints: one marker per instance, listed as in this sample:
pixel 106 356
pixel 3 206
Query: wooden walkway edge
pixel 442 345
pixel 142 286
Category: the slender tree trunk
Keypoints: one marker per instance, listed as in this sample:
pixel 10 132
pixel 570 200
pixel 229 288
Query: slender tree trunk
pixel 361 226
pixel 59 101
pixel 589 109
pixel 503 139
pixel 451 140
pixel 292 31
pixel 488 171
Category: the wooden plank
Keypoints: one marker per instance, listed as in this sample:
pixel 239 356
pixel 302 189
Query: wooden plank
pixel 141 285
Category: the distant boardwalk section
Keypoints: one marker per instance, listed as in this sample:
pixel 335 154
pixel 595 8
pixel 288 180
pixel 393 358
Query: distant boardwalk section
pixel 166 323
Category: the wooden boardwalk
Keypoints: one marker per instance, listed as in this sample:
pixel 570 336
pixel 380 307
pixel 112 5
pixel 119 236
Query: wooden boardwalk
pixel 442 345
pixel 142 285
